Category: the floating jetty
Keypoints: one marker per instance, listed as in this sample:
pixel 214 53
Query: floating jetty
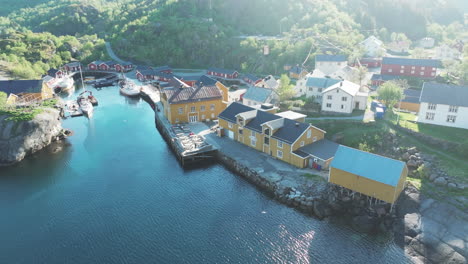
pixel 189 147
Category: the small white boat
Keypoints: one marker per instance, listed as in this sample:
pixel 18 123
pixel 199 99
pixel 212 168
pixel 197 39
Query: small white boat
pixel 86 106
pixel 129 88
pixel 66 84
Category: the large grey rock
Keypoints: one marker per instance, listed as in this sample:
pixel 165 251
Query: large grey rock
pixel 433 176
pixel 412 224
pixel 452 185
pixel 18 139
pixel 441 181
pixel 364 223
pixel 412 150
pixel 412 163
pixel 405 156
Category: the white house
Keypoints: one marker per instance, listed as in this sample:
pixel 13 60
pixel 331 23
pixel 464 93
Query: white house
pixel 445 52
pixel 330 63
pixel 426 43
pixel 268 82
pixel 444 105
pixel 256 96
pixel 373 47
pixel 313 86
pixel 344 97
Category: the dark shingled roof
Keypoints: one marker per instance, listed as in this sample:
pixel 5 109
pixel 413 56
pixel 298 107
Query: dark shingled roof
pixel 250 77
pixel 411 62
pixel 438 93
pixel 289 133
pixel 20 86
pixel 221 70
pixel 52 72
pixel 324 57
pixel 296 69
pixel 411 96
pixel 206 80
pixel 232 110
pixel 178 95
pixel 323 149
pixel 162 68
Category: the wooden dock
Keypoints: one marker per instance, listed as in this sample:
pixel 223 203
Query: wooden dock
pixel 190 148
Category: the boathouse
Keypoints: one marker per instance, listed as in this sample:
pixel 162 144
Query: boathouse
pixel 366 173
pixel 123 67
pixel 25 91
pixel 72 66
pixel 54 73
pixel 93 66
pixel 145 73
pixel 223 73
pixel 183 103
pixel 165 69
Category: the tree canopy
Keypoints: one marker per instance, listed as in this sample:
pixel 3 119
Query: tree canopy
pixel 390 93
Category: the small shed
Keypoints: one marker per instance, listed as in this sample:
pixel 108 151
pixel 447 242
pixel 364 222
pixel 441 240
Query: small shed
pixel 379 113
pixel 370 174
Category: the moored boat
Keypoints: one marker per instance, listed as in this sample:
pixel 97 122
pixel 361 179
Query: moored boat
pixel 67 84
pixel 85 105
pixel 129 88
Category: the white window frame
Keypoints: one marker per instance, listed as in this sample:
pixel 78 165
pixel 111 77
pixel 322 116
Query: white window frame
pixel 252 133
pixel 329 97
pixel 390 70
pixel 202 108
pixel 193 109
pixel 309 133
pixel 431 106
pixel 453 109
pixel 302 143
pixel 230 125
pixel 451 118
pixel 180 110
pixel 279 144
pixel 212 107
pixel 329 105
pixel 430 116
pixel 344 99
pixel 253 141
pixel 314 139
pixel 279 154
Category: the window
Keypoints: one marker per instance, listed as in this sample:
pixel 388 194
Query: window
pixel 451 118
pixel 329 97
pixel 309 133
pixel 253 141
pixel 181 110
pixel 422 73
pixel 433 74
pixel 212 115
pixel 280 144
pixel 412 71
pixel 337 91
pixel 249 103
pixel 241 131
pixel 267 131
pixel 389 70
pixel 344 98
pixel 423 68
pixel 431 106
pixel 412 67
pixel 430 116
pixel 453 109
pixel 230 125
pixel 202 108
pixel 302 143
pixel 177 120
pixel 314 139
pixel 192 109
pixel 212 107
pixel 342 106
pixel 252 133
pixel 203 117
pixel 266 140
pixel 320 90
pixel 311 89
pixel 329 105
pixel 402 71
pixel 279 154
pixel 318 97
pixel 402 66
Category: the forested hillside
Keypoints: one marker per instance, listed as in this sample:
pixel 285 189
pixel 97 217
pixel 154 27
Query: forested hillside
pixel 201 33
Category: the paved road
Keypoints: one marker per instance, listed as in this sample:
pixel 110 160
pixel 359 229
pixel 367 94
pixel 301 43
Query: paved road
pixel 112 54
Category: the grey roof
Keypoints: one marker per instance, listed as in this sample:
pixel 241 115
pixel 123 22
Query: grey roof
pixel 411 96
pixel 289 133
pixel 258 94
pixel 325 57
pixel 323 149
pixel 321 82
pixel 177 95
pixel 232 110
pixel 20 86
pixel 73 64
pixel 162 68
pixel 438 93
pixel 411 62
pixel 206 80
pixel 221 70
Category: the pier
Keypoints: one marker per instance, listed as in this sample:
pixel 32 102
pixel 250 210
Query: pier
pixel 190 148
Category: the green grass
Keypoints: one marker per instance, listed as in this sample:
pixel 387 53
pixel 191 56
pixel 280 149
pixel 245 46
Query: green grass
pixel 27 114
pixel 407 120
pixel 313 176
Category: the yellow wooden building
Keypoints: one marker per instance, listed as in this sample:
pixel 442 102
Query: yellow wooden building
pixel 370 174
pixel 187 104
pixel 26 91
pixel 280 137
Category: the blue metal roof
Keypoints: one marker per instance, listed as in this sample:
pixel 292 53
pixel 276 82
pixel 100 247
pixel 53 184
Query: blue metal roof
pixel 368 165
pixel 411 62
pixel 258 94
pixel 321 82
pixel 325 57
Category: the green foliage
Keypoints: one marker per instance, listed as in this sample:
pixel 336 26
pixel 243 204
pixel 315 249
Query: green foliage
pixel 50 103
pixel 19 115
pixel 3 99
pixel 390 93
pixel 285 89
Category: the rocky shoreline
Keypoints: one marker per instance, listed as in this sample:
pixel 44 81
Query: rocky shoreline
pixel 416 221
pixel 22 138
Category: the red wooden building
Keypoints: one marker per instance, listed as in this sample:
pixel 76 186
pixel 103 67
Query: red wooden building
pixel 93 66
pixel 223 73
pixel 123 67
pixel 423 68
pixel 165 69
pixel 379 79
pixel 72 66
pixel 368 62
pixel 251 79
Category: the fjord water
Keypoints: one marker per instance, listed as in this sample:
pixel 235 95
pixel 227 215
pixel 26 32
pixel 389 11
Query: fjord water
pixel 116 194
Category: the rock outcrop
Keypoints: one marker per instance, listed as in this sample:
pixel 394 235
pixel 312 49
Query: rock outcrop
pixel 21 138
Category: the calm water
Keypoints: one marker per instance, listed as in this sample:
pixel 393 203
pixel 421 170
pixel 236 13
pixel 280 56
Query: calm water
pixel 116 194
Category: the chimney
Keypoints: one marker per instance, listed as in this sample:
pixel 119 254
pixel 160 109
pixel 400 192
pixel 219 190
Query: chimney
pixel 341 84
